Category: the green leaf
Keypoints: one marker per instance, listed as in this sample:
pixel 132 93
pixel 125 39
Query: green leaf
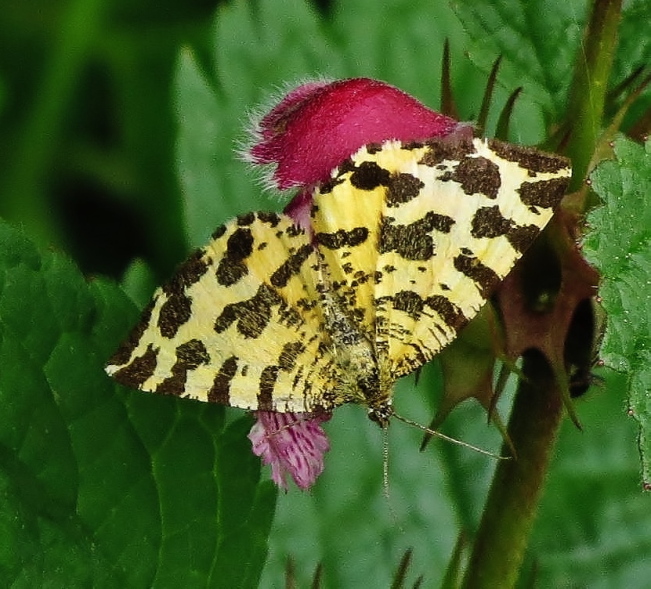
pixel 619 245
pixel 635 30
pixel 138 282
pixel 103 486
pixel 538 47
pixel 634 51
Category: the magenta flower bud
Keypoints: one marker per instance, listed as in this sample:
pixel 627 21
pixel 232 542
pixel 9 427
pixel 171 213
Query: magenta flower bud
pixel 318 125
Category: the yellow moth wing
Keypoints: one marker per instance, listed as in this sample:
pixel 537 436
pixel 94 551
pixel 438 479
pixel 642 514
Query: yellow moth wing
pixel 436 225
pixel 238 324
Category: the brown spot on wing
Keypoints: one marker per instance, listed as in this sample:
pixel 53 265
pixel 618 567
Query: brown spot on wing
pixel 189 356
pixel 267 384
pixel 221 387
pixel 522 236
pixel 489 222
pixel 232 267
pixel 412 241
pixel 329 185
pixel 192 354
pixel 529 158
pixel 409 302
pixel 373 148
pixel 545 194
pixel 368 175
pixel 451 149
pixel 252 315
pixel 476 175
pixel 174 313
pixel 294 231
pixel 246 219
pixel 484 277
pixel 272 219
pixel 219 232
pixel 411 145
pixel 190 272
pixel 289 354
pixel 291 266
pixel 402 188
pixel 342 238
pixel 451 314
pixel 177 308
pixel 138 370
pixel 128 346
pixel 413 304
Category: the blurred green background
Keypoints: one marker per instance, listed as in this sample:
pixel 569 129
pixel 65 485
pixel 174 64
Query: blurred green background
pixel 87 126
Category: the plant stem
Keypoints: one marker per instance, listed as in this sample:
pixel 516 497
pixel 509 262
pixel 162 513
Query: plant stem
pixel 590 83
pixel 510 510
pixel 511 506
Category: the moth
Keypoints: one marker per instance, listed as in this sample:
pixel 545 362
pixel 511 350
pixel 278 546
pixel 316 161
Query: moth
pixel 407 241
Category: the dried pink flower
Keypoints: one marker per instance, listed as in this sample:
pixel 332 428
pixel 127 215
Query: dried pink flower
pixel 293 444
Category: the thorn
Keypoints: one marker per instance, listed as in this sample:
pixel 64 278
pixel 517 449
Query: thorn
pixel 318 573
pixel 502 130
pixel 562 380
pixel 405 561
pixel 488 95
pixel 447 100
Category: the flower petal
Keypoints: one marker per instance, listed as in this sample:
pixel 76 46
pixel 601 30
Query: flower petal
pixel 293 444
pixel 318 125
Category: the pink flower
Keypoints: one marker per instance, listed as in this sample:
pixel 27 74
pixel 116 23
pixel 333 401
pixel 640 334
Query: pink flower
pixel 318 125
pixel 293 443
pixel 313 129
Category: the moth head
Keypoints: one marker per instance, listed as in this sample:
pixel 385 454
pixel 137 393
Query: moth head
pixel 381 413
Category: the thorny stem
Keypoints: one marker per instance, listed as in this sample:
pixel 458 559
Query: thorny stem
pixel 510 510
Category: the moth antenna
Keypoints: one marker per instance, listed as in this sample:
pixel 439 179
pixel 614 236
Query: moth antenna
pixel 433 432
pixel 385 464
pixel 385 476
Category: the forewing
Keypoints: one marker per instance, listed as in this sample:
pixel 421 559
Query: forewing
pixel 239 324
pixel 469 212
pixel 345 217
